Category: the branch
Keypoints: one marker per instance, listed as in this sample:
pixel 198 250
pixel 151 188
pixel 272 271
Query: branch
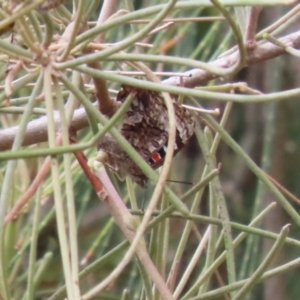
pixel 252 26
pixel 259 54
pixel 37 129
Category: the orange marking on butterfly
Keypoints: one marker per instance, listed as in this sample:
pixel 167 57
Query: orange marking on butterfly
pixel 156 157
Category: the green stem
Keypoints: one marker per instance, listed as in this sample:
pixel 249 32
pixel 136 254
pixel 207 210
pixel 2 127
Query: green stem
pixel 285 95
pixel 6 186
pixel 222 257
pixel 256 276
pixel 58 199
pixel 33 247
pixel 255 169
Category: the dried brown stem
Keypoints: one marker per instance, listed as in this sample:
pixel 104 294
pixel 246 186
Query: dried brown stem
pixel 108 8
pixel 105 103
pixel 39 178
pixel 96 183
pixel 37 130
pixel 23 200
pixel 252 26
pixel 127 223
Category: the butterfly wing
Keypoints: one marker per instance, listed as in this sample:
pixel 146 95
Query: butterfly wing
pixel 146 126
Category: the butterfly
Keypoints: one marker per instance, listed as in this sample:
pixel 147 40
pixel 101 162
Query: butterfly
pixel 146 127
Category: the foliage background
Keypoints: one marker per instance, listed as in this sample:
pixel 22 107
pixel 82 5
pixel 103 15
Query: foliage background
pixel 267 132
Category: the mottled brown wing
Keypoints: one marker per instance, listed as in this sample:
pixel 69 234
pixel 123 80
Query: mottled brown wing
pixel 119 161
pixel 146 127
pixel 146 124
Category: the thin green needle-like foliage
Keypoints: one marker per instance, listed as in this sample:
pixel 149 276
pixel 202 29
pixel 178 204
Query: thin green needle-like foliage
pixel 217 220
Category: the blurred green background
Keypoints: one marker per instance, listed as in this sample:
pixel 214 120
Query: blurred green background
pixel 268 133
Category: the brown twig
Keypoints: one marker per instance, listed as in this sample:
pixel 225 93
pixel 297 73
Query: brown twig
pixel 284 190
pixel 105 104
pixel 37 130
pixel 252 26
pixel 39 178
pixel 96 183
pixel 127 223
pixel 107 10
pixel 260 54
pixel 31 190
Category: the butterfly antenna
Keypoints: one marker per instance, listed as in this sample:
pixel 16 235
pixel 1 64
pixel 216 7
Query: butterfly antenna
pixel 179 181
pixel 143 203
